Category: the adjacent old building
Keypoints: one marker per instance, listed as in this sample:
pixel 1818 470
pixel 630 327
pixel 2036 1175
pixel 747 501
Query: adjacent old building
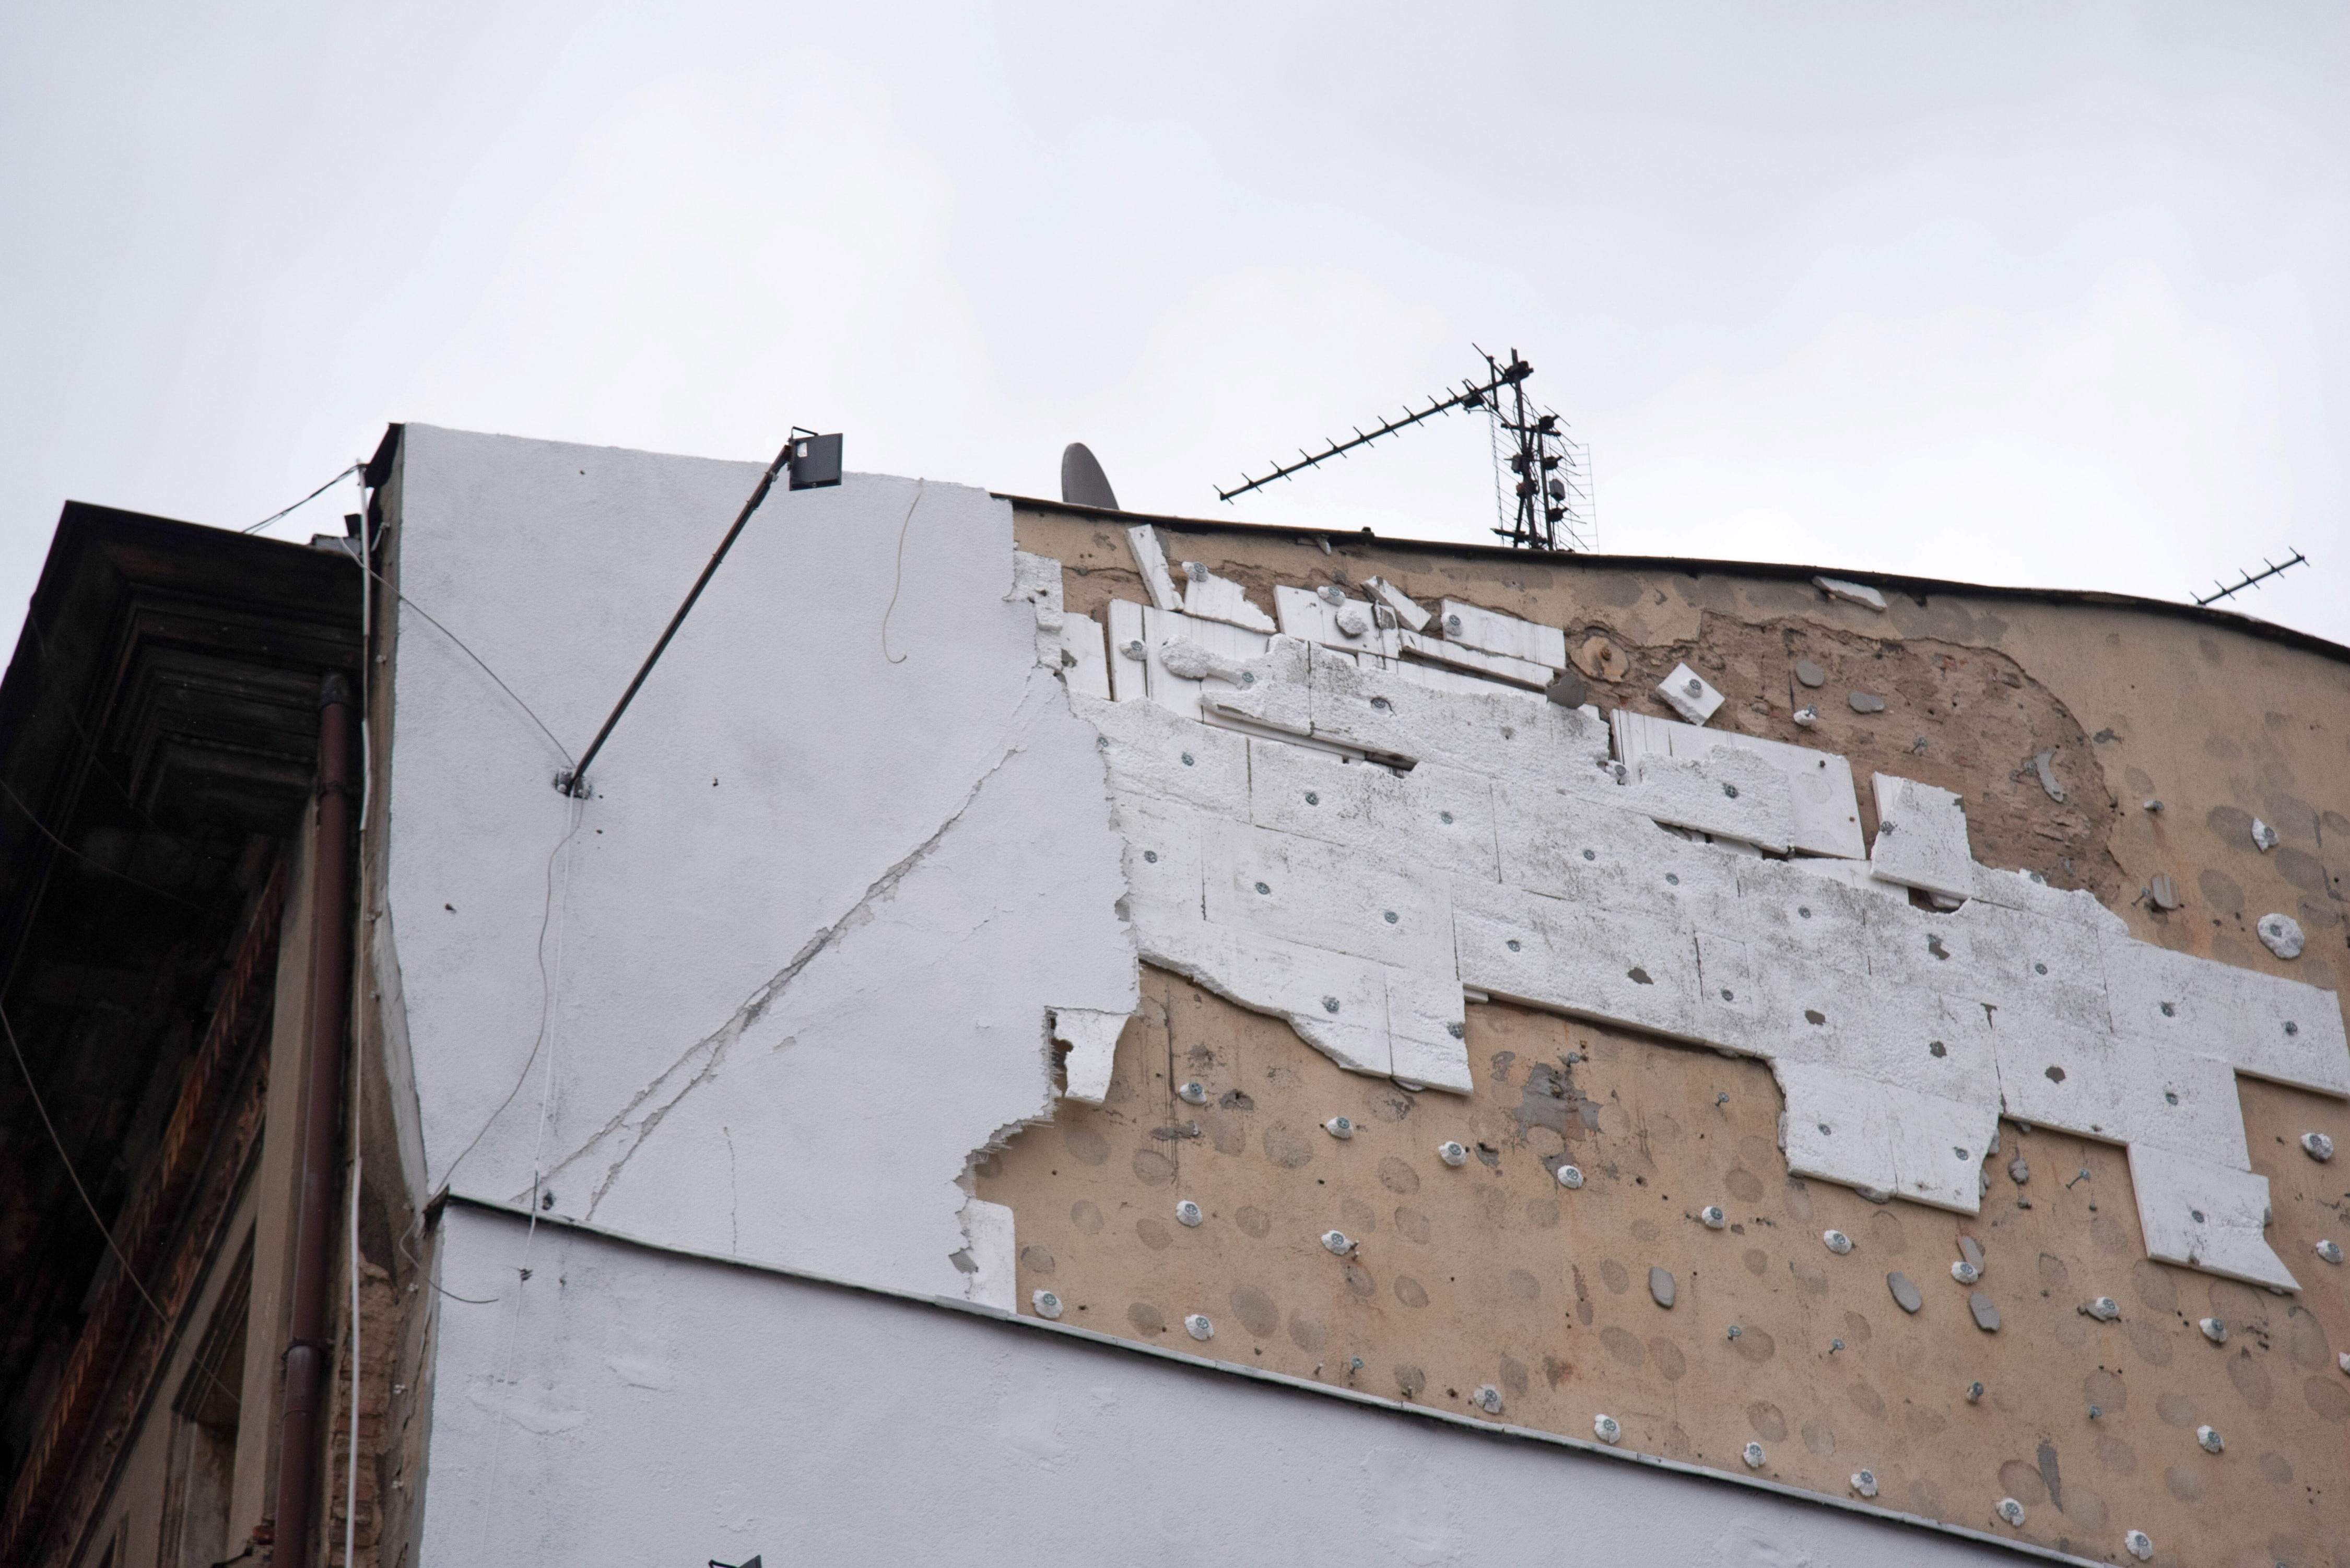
pixel 1055 1036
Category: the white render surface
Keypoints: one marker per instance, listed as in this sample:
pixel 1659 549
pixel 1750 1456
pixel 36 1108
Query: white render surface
pixel 803 1422
pixel 766 990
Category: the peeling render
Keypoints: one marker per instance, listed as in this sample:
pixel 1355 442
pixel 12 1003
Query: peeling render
pixel 825 895
pixel 1315 831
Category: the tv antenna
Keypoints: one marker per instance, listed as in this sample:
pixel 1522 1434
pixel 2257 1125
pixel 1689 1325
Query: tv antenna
pixel 1550 473
pixel 2249 579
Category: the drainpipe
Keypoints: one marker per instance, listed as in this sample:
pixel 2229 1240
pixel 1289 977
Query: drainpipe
pixel 330 1002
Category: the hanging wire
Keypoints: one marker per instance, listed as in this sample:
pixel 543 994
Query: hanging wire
pixel 306 501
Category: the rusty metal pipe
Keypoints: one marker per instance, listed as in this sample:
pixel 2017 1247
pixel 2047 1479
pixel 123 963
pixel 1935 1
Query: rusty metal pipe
pixel 331 1003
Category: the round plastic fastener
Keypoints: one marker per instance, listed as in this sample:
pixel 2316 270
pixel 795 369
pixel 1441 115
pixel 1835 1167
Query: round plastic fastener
pixel 1966 1273
pixel 1837 1241
pixel 1338 1242
pixel 1734 1332
pixel 1187 1212
pixel 1046 1303
pixel 2282 935
pixel 2208 1439
pixel 2011 1511
pixel 1974 1393
pixel 1198 1326
pixel 1452 625
pixel 1194 1093
pixel 1452 1153
pixel 1608 1429
pixel 2104 1309
pixel 1695 686
pixel 1487 1399
pixel 2136 1543
pixel 2331 1251
pixel 1329 1004
pixel 1569 1177
pixel 2213 1330
pixel 2096 1412
pixel 1713 1218
pixel 1752 1455
pixel 1339 1128
pixel 1865 1482
pixel 2317 1146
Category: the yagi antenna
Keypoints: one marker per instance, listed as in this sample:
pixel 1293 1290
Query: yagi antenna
pixel 2251 580
pixel 1552 485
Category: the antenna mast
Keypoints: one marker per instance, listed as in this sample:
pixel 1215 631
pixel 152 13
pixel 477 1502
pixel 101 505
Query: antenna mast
pixel 1552 472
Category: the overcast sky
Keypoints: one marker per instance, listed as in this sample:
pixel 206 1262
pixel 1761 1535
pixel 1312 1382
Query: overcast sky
pixel 2055 295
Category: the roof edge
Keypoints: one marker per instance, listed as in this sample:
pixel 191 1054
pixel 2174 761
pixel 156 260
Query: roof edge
pixel 1695 565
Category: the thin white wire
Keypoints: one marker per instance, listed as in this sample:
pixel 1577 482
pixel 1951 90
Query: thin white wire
pixel 560 909
pixel 351 1469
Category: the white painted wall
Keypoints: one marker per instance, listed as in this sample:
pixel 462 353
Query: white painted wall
pixel 764 992
pixel 627 1406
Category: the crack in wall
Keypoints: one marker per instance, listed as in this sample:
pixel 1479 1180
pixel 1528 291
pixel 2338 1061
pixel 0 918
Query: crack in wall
pixel 711 1049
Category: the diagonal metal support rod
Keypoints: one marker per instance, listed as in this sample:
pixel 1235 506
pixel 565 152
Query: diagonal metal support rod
pixel 574 782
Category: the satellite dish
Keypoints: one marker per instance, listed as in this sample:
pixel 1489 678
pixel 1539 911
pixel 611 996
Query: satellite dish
pixel 1083 482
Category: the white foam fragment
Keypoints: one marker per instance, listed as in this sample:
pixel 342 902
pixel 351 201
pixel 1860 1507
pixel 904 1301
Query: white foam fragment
pixel 1150 561
pixel 1493 632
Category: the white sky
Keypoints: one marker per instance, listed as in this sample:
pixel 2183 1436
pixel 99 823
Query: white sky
pixel 2039 293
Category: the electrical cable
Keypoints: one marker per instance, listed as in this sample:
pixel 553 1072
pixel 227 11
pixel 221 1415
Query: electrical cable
pixel 33 1089
pixel 898 581
pixel 94 865
pixel 559 747
pixel 274 517
pixel 64 1160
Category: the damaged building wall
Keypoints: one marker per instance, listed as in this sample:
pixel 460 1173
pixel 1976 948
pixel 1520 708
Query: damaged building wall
pixel 761 992
pixel 1491 1276
pixel 1983 696
pixel 858 887
pixel 851 1427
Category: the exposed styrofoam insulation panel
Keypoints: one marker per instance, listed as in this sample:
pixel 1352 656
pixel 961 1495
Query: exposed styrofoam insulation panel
pixel 1409 614
pixel 1922 838
pixel 1212 597
pixel 1129 658
pixel 1461 656
pixel 1493 826
pixel 1820 786
pixel 1092 1039
pixel 1504 634
pixel 1350 626
pixel 1691 695
pixel 1150 561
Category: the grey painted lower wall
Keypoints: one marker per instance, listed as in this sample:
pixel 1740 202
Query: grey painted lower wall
pixel 622 1404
